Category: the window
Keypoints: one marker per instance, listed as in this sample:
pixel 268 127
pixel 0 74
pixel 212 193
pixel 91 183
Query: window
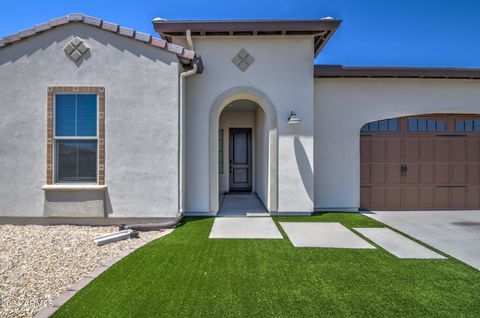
pixel 468 125
pixel 76 148
pixel 426 125
pixel 76 137
pixel 381 126
pixel 220 151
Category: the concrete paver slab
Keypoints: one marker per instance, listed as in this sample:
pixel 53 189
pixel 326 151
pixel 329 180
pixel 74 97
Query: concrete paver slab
pixel 397 244
pixel 323 234
pixel 245 228
pixel 456 233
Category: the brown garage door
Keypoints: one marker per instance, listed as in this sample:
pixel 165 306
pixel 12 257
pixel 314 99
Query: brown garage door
pixel 424 162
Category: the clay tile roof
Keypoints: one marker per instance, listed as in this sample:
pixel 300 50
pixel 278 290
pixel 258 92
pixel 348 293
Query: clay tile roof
pixel 325 71
pixel 185 56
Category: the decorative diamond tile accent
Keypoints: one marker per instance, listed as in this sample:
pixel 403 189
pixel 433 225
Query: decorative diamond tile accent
pixel 69 48
pixel 76 41
pixel 76 49
pixel 82 48
pixel 243 60
pixel 243 54
pixel 76 55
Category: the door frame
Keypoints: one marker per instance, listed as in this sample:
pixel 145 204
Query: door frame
pixel 250 163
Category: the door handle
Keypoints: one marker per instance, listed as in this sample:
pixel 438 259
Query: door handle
pixel 230 166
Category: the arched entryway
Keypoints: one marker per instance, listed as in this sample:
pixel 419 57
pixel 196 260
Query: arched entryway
pixel 423 162
pixel 244 118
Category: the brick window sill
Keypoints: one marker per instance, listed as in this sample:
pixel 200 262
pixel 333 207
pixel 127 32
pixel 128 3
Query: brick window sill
pixel 74 187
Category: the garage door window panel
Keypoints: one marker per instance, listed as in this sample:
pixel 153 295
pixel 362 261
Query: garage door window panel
pixel 467 125
pixel 416 124
pixel 386 125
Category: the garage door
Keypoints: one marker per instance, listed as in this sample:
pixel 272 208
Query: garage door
pixel 422 162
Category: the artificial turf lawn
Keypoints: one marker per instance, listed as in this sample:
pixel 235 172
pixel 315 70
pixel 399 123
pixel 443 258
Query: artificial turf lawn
pixel 185 274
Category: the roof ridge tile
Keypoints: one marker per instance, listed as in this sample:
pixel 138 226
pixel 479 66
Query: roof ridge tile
pixel 92 21
pixel 59 21
pixel 42 27
pixel 75 17
pixel 109 26
pixel 144 37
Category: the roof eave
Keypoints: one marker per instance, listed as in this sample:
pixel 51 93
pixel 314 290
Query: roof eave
pixel 322 29
pixel 340 71
pixel 245 25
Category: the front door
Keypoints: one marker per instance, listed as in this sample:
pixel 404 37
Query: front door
pixel 240 160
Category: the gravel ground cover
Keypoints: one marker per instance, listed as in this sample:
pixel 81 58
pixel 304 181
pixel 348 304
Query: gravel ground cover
pixel 39 262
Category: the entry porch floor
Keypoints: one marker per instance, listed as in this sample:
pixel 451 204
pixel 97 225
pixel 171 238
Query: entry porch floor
pixel 241 204
pixel 186 274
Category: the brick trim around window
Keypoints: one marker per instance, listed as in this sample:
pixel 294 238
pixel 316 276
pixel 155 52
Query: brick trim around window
pixel 100 91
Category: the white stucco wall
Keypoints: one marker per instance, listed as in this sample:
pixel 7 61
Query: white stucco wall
pixel 343 105
pixel 283 72
pixel 141 86
pixel 261 157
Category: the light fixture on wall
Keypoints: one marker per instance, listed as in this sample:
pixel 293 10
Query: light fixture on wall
pixel 293 119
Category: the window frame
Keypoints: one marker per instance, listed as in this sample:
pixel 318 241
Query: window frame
pixel 52 171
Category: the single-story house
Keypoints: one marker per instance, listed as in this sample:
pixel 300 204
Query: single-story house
pixel 101 123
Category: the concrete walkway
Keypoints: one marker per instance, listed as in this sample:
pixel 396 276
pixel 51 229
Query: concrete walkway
pixel 323 234
pixel 397 244
pixel 245 228
pixel 241 204
pixel 456 233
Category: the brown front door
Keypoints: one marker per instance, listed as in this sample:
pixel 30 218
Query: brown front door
pixel 240 160
pixel 422 163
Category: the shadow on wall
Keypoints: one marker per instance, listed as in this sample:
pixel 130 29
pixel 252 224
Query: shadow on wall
pixel 303 165
pixel 108 203
pixel 77 203
pixel 42 41
pixel 74 204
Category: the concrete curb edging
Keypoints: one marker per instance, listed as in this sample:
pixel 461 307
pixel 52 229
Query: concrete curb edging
pixel 72 290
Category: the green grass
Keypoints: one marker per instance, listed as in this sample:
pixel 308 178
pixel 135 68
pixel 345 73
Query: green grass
pixel 185 274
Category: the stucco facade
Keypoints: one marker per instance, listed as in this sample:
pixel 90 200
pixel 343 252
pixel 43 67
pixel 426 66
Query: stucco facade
pixel 344 105
pixel 166 101
pixel 141 122
pixel 281 73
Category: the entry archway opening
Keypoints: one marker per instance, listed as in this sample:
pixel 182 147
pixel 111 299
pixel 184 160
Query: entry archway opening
pixel 243 151
pixel 243 158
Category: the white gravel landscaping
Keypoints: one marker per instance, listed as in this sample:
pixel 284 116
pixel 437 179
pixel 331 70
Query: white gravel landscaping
pixel 39 262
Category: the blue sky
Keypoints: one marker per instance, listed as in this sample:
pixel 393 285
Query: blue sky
pixel 443 33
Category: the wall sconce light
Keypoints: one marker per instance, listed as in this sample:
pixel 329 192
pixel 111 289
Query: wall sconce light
pixel 293 119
